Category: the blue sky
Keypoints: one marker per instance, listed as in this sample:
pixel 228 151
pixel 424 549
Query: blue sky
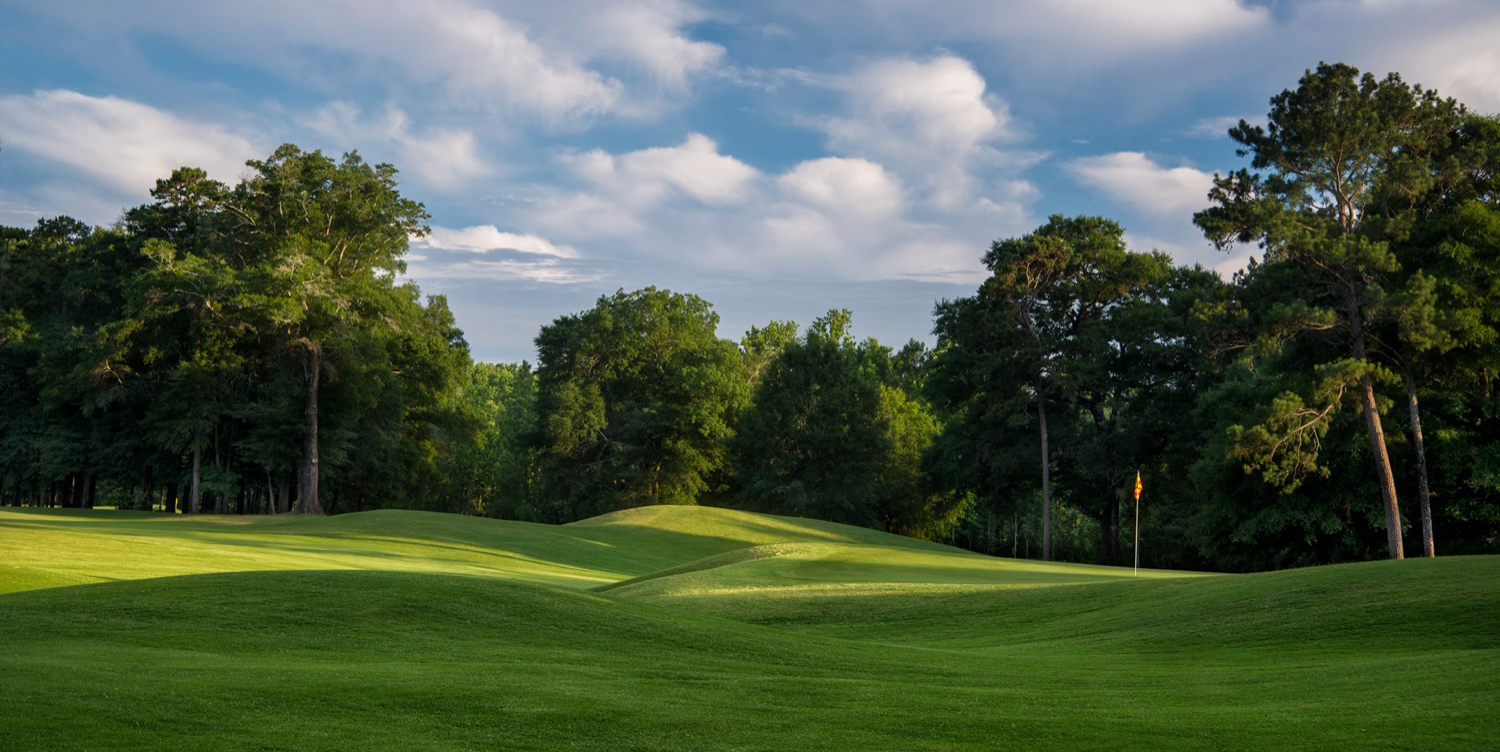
pixel 776 158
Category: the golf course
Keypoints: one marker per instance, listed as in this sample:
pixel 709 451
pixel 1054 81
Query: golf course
pixel 692 628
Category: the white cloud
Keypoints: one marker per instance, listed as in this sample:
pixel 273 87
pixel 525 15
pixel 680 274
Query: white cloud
pixel 1061 32
pixel 651 36
pixel 932 121
pixel 855 187
pixel 1218 127
pixel 469 55
pixel 582 215
pixel 477 58
pixel 1135 179
pixel 940 101
pixel 482 55
pixel 850 218
pixel 832 217
pixel 1187 246
pixel 1108 25
pixel 542 270
pixel 126 145
pixel 445 159
pixel 1461 60
pixel 695 169
pixel 524 258
pixel 484 238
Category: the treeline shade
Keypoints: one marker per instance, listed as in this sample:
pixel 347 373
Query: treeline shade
pixel 230 348
pixel 251 349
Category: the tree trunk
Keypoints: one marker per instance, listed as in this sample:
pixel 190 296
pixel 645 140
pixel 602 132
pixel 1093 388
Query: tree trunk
pixel 88 490
pixel 197 493
pixel 1383 475
pixel 307 486
pixel 989 531
pixel 148 490
pixel 1382 468
pixel 284 499
pixel 1041 414
pixel 1112 530
pixel 1015 531
pixel 1429 548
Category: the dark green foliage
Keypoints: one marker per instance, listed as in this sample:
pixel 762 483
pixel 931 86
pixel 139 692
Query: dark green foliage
pixel 832 433
pixel 1347 186
pixel 498 474
pixel 814 440
pixel 1075 327
pixel 252 347
pixel 172 359
pixel 635 398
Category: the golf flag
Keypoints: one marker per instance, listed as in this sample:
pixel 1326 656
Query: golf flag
pixel 1136 544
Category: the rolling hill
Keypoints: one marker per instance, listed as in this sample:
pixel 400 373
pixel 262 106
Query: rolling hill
pixel 696 628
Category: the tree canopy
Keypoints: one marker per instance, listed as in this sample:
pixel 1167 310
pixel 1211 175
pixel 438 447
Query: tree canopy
pixel 256 348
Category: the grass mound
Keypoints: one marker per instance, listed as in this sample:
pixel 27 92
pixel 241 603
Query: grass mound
pixel 51 547
pixel 713 629
pixel 782 567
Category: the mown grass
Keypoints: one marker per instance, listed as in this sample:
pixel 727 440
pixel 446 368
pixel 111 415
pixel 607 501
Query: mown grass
pixel 411 631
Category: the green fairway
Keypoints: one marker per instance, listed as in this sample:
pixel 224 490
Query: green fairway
pixel 694 628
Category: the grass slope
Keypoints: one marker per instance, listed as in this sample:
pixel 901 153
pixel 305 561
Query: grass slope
pixel 56 547
pixel 725 631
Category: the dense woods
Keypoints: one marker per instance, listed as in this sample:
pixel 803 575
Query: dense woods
pixel 254 349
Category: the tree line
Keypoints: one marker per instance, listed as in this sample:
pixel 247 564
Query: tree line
pixel 253 349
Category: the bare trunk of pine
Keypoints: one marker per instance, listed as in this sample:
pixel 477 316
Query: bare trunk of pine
pixel 1041 414
pixel 307 484
pixel 1429 548
pixel 284 498
pixel 1382 468
pixel 1383 475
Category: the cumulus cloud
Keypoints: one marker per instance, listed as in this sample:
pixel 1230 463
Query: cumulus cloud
pixel 1135 179
pixel 694 169
pixel 477 57
pixel 485 238
pixel 531 58
pixel 829 217
pixel 941 101
pixel 849 187
pixel 442 158
pixel 651 36
pixel 932 120
pixel 936 125
pixel 448 254
pixel 125 145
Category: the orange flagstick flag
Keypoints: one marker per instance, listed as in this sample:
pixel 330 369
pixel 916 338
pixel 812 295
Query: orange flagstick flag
pixel 1136 570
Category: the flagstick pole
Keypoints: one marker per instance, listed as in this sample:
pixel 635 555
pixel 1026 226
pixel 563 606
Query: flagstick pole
pixel 1136 544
